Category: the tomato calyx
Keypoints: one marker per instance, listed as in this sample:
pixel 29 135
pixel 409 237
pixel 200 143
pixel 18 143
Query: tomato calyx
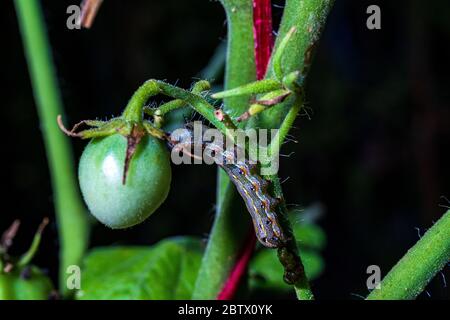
pixel 132 130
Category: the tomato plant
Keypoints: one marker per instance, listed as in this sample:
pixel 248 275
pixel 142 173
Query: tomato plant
pixel 124 173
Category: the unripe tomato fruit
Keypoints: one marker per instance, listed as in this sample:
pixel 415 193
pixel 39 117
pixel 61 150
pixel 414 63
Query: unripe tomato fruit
pixel 147 184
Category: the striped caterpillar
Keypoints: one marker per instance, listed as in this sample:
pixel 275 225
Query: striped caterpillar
pixel 244 175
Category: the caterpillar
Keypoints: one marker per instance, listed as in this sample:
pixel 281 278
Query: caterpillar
pixel 245 177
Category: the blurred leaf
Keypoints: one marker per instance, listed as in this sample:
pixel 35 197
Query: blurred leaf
pixel 177 118
pixel 309 236
pixel 266 271
pixel 27 283
pixel 166 270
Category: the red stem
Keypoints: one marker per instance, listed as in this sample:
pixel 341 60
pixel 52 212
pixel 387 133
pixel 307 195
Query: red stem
pixel 239 269
pixel 262 31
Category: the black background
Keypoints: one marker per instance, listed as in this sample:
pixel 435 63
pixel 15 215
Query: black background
pixel 373 153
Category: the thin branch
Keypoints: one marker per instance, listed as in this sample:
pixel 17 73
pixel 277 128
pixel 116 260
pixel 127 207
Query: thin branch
pixel 409 277
pixel 71 215
pixel 262 28
pixel 229 229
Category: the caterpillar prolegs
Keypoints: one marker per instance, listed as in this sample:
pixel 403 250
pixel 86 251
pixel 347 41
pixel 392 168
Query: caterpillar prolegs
pixel 244 175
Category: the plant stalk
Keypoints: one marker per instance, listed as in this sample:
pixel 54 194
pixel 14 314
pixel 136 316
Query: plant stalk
pixel 70 211
pixel 409 277
pixel 308 17
pixel 229 228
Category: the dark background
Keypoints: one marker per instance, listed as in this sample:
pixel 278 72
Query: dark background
pixel 373 151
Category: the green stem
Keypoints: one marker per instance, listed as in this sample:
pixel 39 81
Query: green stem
pixel 225 242
pixel 299 32
pixel 26 258
pixel 228 231
pixel 308 18
pixel 275 144
pixel 257 87
pixel 301 287
pixel 70 212
pixel 165 108
pixel 172 105
pixel 240 62
pixel 409 277
pixel 135 107
pixel 277 59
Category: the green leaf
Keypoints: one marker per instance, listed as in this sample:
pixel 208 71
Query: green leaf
pixel 166 270
pixel 16 286
pixel 309 236
pixel 266 272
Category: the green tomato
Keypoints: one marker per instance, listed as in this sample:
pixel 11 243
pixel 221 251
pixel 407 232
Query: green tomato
pixel 147 184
